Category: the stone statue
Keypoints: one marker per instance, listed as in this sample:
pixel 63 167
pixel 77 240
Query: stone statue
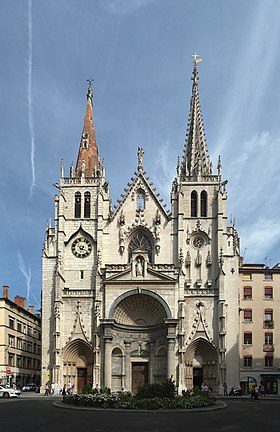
pixel 139 267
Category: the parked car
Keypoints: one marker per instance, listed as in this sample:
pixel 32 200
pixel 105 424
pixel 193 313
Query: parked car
pixel 17 389
pixel 29 387
pixel 6 392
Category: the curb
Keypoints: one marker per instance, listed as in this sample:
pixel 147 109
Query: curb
pixel 219 405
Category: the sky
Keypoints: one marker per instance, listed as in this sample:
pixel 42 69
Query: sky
pixel 139 53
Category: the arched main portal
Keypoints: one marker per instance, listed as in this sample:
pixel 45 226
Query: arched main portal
pixel 77 364
pixel 137 349
pixel 201 359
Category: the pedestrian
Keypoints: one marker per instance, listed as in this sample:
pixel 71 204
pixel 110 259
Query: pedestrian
pixel 46 389
pixel 63 393
pixel 69 387
pixel 225 389
pixel 52 388
pixel 256 392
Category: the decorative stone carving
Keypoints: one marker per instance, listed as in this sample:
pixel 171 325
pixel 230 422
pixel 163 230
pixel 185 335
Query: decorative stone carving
pixel 140 155
pixel 198 259
pixel 188 260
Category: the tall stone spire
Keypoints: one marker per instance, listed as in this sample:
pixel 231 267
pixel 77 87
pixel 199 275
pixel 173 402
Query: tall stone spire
pixel 88 162
pixel 195 159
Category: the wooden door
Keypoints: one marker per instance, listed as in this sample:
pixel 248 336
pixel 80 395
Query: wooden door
pixel 81 379
pixel 139 375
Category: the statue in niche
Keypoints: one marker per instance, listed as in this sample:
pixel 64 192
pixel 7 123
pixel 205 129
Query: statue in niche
pixel 198 260
pixel 188 260
pixel 157 231
pixel 139 270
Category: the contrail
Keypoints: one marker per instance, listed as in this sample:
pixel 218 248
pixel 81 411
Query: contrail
pixel 29 97
pixel 26 274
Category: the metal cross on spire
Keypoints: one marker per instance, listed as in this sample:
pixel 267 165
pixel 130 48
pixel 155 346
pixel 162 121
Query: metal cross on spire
pixel 196 58
pixel 90 80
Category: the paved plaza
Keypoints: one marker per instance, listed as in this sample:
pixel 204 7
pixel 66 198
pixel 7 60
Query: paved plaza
pixel 31 413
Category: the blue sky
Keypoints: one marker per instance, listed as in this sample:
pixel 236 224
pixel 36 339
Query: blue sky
pixel 139 54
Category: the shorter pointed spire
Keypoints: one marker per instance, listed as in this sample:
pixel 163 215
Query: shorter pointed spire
pixel 88 157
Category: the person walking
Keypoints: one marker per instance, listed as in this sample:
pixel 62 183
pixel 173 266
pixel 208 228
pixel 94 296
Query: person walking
pixel 225 389
pixel 63 393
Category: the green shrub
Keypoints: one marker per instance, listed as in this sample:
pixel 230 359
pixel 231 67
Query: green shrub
pixel 161 390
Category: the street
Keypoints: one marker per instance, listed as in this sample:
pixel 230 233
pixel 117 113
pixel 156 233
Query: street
pixel 36 413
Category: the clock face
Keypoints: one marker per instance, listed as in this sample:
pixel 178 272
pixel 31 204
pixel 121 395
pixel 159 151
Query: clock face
pixel 81 247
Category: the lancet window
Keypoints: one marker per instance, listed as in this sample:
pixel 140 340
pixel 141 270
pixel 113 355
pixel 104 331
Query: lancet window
pixel 194 204
pixel 77 205
pixel 203 204
pixel 87 205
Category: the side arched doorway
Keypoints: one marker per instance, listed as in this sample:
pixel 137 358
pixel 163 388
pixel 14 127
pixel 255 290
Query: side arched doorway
pixel 201 359
pixel 77 364
pixel 136 348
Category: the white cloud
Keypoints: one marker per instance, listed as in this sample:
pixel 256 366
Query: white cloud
pixel 26 274
pixel 164 170
pixel 251 75
pixel 259 238
pixel 123 7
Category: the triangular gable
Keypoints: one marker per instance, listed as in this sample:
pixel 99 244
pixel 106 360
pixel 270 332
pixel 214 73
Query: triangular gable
pixel 135 181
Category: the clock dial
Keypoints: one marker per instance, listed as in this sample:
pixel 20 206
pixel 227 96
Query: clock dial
pixel 81 247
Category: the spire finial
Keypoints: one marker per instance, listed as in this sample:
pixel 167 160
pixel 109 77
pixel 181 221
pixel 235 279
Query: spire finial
pixel 140 154
pixel 90 92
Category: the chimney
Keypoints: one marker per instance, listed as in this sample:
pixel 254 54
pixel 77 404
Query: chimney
pixel 6 291
pixel 20 301
pixel 31 309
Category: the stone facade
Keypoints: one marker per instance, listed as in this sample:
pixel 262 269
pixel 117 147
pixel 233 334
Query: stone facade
pixel 20 341
pixel 140 294
pixel 259 324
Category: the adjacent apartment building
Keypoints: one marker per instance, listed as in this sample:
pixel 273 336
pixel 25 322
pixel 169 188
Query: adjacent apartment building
pixel 20 341
pixel 259 327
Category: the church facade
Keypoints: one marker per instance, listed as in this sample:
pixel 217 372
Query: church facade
pixel 141 294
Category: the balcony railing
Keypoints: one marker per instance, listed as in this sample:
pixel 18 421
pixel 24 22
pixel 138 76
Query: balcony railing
pixel 268 324
pixel 268 347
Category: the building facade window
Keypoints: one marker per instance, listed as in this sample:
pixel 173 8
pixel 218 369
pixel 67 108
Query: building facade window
pixel 268 292
pixel 268 338
pixel 11 359
pixel 248 315
pixel 248 361
pixel 19 327
pixel 268 361
pixel 11 323
pixel 203 204
pixel 194 204
pixel 77 205
pixel 247 293
pixel 247 338
pixel 268 315
pixel 11 341
pixel 87 205
pixel 268 276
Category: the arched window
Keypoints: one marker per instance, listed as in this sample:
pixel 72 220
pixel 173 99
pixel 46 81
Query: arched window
pixel 140 242
pixel 140 199
pixel 194 204
pixel 203 204
pixel 77 205
pixel 87 205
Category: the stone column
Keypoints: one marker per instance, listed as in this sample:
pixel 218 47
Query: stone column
pixel 170 359
pixel 152 365
pixel 108 362
pixel 127 366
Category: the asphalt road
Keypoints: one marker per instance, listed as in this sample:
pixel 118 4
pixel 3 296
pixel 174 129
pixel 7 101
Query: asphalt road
pixel 36 413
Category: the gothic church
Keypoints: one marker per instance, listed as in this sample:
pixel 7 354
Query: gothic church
pixel 140 294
